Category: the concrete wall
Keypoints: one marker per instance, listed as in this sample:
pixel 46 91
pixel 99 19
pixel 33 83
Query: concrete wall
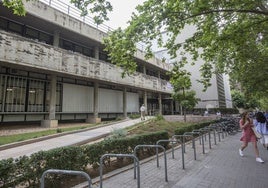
pixel 17 50
pixel 45 12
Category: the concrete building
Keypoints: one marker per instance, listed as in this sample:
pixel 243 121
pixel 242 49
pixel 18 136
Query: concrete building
pixel 53 68
pixel 218 95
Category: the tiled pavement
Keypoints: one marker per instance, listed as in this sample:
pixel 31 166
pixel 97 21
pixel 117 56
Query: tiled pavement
pixel 220 167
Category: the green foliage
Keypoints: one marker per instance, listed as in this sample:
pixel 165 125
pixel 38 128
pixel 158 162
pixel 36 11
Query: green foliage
pixel 264 103
pixel 27 171
pixel 238 99
pixel 242 101
pixel 159 117
pixel 7 169
pixel 230 36
pixel 98 8
pixel 186 99
pixel 189 128
pixel 134 116
pixel 16 5
pixel 118 133
pixel 26 136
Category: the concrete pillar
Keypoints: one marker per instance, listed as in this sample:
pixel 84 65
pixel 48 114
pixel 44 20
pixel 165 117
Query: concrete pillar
pixel 125 102
pixel 145 102
pixel 56 38
pixel 95 118
pixel 160 103
pixel 172 107
pixel 51 121
pixel 158 74
pixel 96 52
pixel 144 71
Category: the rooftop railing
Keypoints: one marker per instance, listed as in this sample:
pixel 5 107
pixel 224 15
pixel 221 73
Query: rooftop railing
pixel 76 13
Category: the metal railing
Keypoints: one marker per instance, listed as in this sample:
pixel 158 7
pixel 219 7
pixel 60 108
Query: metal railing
pixel 152 146
pixel 68 172
pixel 76 13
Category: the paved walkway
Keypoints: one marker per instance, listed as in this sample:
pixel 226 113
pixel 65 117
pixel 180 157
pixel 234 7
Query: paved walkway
pixel 219 167
pixel 66 140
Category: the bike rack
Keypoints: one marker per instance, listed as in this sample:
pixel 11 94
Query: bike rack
pixel 209 136
pixel 136 165
pixel 172 141
pixel 220 130
pixel 181 137
pixel 213 127
pixel 152 146
pixel 69 172
pixel 201 138
pixel 191 134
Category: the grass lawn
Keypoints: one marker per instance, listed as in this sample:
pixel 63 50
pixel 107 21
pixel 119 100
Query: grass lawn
pixel 26 136
pixel 154 126
pixel 140 128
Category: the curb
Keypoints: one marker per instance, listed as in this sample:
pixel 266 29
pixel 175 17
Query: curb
pixel 30 141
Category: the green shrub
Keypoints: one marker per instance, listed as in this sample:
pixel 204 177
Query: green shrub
pixel 159 117
pixel 134 116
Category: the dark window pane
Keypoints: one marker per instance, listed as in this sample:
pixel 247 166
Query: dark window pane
pixel 15 27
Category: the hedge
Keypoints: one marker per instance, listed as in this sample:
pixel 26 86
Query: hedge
pixel 27 170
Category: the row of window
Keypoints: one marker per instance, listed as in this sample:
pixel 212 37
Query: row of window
pixel 20 94
pixel 47 38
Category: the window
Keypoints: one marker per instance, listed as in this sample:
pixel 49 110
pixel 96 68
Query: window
pixel 88 52
pixel 15 27
pixel 31 33
pixel 36 96
pixel 43 37
pixel 66 45
pixel 3 23
pixel 2 82
pixel 15 94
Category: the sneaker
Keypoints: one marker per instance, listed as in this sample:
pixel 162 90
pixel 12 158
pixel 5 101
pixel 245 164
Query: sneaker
pixel 258 159
pixel 241 153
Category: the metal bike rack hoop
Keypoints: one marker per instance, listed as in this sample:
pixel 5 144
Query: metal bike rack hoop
pixel 69 172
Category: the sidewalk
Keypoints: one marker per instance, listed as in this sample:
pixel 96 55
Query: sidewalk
pixel 66 140
pixel 219 167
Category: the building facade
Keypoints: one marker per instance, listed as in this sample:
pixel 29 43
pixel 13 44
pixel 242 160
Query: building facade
pixel 53 68
pixel 218 95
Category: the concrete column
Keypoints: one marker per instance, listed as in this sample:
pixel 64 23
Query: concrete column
pixel 158 74
pixel 144 71
pixel 125 102
pixel 96 52
pixel 56 38
pixel 160 103
pixel 52 122
pixel 145 102
pixel 95 118
pixel 172 107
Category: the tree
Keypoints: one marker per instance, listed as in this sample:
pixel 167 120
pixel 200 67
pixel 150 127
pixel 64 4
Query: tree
pixel 231 33
pixel 242 101
pixel 180 79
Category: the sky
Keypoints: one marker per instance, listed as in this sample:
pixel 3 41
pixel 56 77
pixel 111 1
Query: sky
pixel 122 11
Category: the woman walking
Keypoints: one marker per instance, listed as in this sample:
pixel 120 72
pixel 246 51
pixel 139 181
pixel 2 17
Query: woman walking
pixel 262 128
pixel 248 136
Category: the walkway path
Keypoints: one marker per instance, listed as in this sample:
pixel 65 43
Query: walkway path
pixel 66 140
